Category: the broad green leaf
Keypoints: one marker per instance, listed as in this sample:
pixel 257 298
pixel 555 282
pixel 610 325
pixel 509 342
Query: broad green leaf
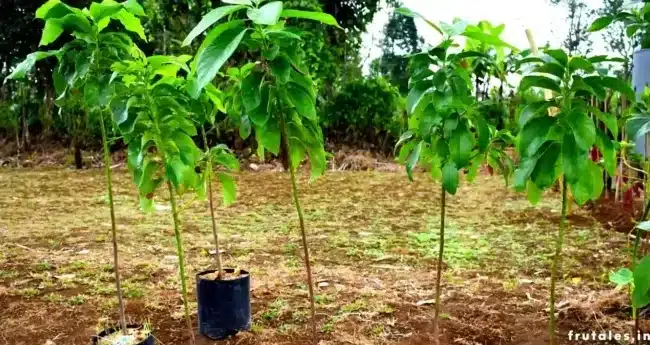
pixel 131 23
pixel 268 14
pixel 402 139
pixel 533 193
pixel 269 136
pixel 262 113
pixel 483 130
pixel 212 17
pixel 238 2
pixel 595 83
pixel 54 9
pixel 303 81
pixel 606 147
pixel 533 110
pixel 21 70
pixel 461 144
pixel 51 32
pixel 638 126
pixel 597 177
pixel 558 55
pixel 281 69
pixel 488 39
pixel 645 225
pixel 601 23
pixel 534 135
pixel 211 36
pixel 581 63
pixel 416 94
pixel 215 55
pixel 407 12
pixel 539 81
pixel 251 90
pixel 301 100
pixel 641 293
pixel 244 127
pixel 450 178
pixel 608 119
pixel 546 173
pixel 574 159
pixel 134 7
pixel 618 85
pixel 176 171
pixel 583 129
pixel 413 159
pixel 228 189
pixel 322 17
pixel 522 173
pixel 100 11
pixel 622 277
pixel 589 186
pixel 551 68
pixel 189 152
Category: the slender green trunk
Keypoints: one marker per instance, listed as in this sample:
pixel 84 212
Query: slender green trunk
pixel 557 262
pixel 441 249
pixel 215 233
pixel 181 260
pixel 637 241
pixel 296 200
pixel 116 263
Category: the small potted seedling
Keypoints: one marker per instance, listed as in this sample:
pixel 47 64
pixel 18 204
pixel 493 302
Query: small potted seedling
pixel 82 76
pixel 557 134
pixel 447 134
pixel 223 294
pixel 151 109
pixel 274 95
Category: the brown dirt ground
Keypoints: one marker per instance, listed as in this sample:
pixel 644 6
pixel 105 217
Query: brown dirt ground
pixel 373 239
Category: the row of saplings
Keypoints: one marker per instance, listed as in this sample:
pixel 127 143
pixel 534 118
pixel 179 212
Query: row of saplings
pixel 158 102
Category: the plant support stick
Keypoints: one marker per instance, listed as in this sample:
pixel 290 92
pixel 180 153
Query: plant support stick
pixel 181 264
pixel 215 233
pixel 440 256
pixel 557 261
pixel 116 264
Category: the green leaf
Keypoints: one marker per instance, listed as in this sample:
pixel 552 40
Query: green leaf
pixel 51 32
pixel 595 83
pixel 618 85
pixel 269 136
pixel 21 70
pixel 534 135
pixel 608 119
pixel 262 113
pixel 268 14
pixel 622 277
pixel 522 173
pixel 238 2
pixel 558 55
pixel 533 110
pixel 533 193
pixel 450 178
pixel 211 36
pixel 54 9
pixel 407 12
pixel 100 11
pixel 413 159
pixel 545 173
pixel 483 132
pixel 574 159
pixel 606 147
pixel 583 129
pixel 228 189
pixel 539 81
pixel 134 7
pixel 488 39
pixel 244 127
pixel 641 295
pixel 581 63
pixel 551 68
pixel 215 54
pixel 212 17
pixel 638 126
pixel 416 94
pixel 322 17
pixel 281 69
pixel 461 144
pixel 601 23
pixel 131 23
pixel 251 90
pixel 645 225
pixel 590 184
pixel 301 100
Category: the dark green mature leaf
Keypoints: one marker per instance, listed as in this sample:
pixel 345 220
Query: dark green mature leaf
pixel 523 172
pixel 533 193
pixel 551 68
pixel 558 55
pixel 534 135
pixel 581 63
pixel 269 136
pixel 574 159
pixel 281 68
pixel 212 17
pixel 583 129
pixel 483 130
pixel 416 94
pixel 268 14
pixel 413 159
pixel 594 84
pixel 606 147
pixel 618 85
pixel 641 293
pixel 590 184
pixel 539 81
pixel 450 178
pixel 322 17
pixel 461 144
pixel 120 109
pixel 261 114
pixel 533 110
pixel 303 81
pixel 215 54
pixel 546 173
pixel 406 136
pixel 608 119
pixel 228 188
pixel 302 101
pixel 251 90
pixel 601 23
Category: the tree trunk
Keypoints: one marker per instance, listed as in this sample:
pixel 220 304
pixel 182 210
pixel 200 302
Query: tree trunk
pixel 78 158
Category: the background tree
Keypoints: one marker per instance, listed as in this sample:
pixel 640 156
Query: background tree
pixel 579 17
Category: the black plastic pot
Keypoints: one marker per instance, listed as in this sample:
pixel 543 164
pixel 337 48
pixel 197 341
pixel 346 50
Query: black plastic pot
pixel 224 305
pixel 149 341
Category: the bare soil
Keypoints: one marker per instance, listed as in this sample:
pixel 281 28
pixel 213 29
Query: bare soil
pixel 373 237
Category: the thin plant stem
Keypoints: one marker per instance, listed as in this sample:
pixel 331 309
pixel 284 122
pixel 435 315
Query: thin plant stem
pixel 215 233
pixel 296 200
pixel 557 262
pixel 441 249
pixel 109 186
pixel 637 240
pixel 181 263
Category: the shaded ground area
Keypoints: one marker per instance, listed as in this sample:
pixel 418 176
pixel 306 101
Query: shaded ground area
pixel 373 236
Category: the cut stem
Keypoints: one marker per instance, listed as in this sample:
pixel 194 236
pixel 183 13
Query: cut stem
pixel 296 200
pixel 116 263
pixel 181 263
pixel 215 233
pixel 557 262
pixel 441 249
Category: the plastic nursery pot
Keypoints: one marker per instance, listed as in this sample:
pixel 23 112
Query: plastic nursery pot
pixel 224 305
pixel 108 332
pixel 641 80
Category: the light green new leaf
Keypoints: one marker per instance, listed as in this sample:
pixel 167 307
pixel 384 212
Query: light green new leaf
pixel 100 11
pixel 322 17
pixel 488 39
pixel 215 55
pixel 645 225
pixel 268 14
pixel 209 19
pixel 238 2
pixel 450 178
pixel 131 23
pixel 228 189
pixel 533 193
pixel 21 70
pixel 622 277
pixel 54 9
pixel 51 32
pixel 601 23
